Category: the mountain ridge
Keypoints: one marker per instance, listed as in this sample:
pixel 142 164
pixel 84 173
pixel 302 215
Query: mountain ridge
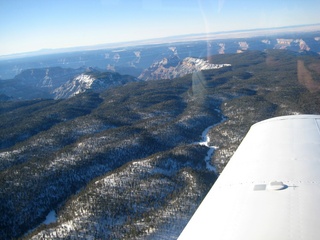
pixel 126 162
pixel 174 67
pixel 58 83
pixel 95 81
pixel 133 60
pixel 185 37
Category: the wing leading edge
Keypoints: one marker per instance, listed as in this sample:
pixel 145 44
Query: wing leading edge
pixel 270 189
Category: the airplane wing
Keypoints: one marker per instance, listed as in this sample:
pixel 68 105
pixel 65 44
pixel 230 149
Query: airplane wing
pixel 270 189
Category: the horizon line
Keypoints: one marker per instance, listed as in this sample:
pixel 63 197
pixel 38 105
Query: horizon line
pixel 154 41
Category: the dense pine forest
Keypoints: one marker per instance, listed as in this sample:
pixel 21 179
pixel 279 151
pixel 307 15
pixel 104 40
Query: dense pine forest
pixel 125 162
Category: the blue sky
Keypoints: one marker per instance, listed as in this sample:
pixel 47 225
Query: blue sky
pixel 29 25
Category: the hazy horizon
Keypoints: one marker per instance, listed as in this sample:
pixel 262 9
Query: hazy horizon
pixel 178 38
pixel 33 25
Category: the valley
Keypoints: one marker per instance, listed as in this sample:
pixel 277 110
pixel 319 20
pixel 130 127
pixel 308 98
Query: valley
pixel 117 156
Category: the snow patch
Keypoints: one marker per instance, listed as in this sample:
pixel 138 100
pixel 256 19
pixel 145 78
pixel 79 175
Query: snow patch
pixel 51 217
pixel 206 142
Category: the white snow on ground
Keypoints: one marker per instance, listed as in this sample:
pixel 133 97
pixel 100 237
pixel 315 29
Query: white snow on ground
pixel 205 142
pixel 51 217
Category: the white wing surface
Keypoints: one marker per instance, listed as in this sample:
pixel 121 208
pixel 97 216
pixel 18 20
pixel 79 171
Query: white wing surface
pixel 270 189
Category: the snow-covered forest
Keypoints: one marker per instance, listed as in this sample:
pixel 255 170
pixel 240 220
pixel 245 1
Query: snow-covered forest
pixel 128 162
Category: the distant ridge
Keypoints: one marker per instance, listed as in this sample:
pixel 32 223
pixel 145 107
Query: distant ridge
pixel 172 39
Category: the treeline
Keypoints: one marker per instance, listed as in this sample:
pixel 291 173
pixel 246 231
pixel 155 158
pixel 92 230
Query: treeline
pixel 88 136
pixel 134 200
pixel 123 163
